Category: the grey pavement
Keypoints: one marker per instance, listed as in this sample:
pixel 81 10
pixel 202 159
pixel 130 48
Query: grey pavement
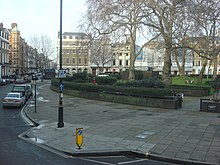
pixel 184 134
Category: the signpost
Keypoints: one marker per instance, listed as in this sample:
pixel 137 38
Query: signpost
pixel 61 73
pixel 34 78
pixel 79 137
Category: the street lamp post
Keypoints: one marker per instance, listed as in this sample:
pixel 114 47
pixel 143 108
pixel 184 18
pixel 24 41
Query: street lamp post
pixel 60 109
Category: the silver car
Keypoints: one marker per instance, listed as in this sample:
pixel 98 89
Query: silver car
pixel 13 99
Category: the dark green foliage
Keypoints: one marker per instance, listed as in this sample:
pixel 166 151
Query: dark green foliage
pixel 138 75
pixel 79 77
pixel 119 90
pixel 147 83
pixel 109 80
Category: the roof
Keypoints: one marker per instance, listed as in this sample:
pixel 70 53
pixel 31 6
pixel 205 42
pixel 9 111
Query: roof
pixel 74 33
pixel 15 29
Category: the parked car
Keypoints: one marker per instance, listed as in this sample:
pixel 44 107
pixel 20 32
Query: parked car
pixel 25 89
pixel 20 81
pixel 2 81
pixel 14 99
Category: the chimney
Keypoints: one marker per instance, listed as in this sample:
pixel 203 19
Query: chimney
pixel 1 26
pixel 13 25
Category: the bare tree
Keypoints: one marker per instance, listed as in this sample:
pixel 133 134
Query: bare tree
pixel 44 46
pixel 164 15
pixel 122 16
pixel 206 14
pixel 101 53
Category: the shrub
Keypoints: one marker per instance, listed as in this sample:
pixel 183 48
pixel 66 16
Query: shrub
pixel 109 80
pixel 147 83
pixel 138 75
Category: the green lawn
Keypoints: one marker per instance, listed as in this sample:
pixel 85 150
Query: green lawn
pixel 191 81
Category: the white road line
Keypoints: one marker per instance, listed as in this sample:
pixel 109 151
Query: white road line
pixel 95 161
pixel 134 161
pixel 105 157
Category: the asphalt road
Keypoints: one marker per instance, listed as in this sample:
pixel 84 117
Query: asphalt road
pixel 15 150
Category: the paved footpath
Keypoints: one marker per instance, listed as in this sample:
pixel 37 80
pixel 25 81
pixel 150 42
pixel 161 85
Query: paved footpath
pixel 185 134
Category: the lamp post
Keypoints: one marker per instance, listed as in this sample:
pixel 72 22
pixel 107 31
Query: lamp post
pixel 60 108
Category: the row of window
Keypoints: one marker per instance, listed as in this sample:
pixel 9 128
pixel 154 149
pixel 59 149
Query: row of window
pixel 120 62
pixel 4 35
pixel 76 43
pixel 74 37
pixel 120 54
pixel 4 45
pixel 74 51
pixel 67 60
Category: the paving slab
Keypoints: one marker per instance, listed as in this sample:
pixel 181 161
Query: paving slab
pixel 185 134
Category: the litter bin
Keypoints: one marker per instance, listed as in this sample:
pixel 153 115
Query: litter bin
pixel 179 98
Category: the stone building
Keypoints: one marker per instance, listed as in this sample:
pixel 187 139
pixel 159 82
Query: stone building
pixel 75 52
pixel 17 51
pixel 4 51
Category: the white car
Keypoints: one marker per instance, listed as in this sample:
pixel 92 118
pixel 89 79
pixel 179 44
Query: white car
pixel 13 99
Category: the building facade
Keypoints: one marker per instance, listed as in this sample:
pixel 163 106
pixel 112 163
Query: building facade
pixel 16 51
pixel 198 61
pixel 4 51
pixel 75 52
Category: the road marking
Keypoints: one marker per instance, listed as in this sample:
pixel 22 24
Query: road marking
pixel 134 161
pixel 96 161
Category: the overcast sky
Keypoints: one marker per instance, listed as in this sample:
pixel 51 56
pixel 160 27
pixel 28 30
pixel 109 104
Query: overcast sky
pixel 36 17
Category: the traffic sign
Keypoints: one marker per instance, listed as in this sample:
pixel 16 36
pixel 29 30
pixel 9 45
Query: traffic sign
pixel 79 137
pixel 61 87
pixel 61 73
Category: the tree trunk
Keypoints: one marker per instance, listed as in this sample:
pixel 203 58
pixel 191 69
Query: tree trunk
pixel 215 63
pixel 202 72
pixel 131 75
pixel 167 66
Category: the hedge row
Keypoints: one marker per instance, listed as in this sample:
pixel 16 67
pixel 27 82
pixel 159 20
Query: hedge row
pixel 130 91
pixel 147 83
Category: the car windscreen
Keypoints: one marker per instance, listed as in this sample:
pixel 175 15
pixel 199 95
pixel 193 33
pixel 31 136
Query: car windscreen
pixel 14 95
pixel 18 88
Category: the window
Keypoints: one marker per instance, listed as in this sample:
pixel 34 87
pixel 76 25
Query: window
pixel 79 60
pixel 126 62
pixel 120 54
pixel 199 63
pixel 120 62
pixel 64 37
pixel 74 51
pixel 126 54
pixel 113 62
pixel 85 60
pixel 67 60
pixel 67 51
pixel 70 37
pixel 73 60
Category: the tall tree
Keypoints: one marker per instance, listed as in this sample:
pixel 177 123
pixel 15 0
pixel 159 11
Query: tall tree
pixel 164 15
pixel 206 14
pixel 124 16
pixel 44 46
pixel 101 53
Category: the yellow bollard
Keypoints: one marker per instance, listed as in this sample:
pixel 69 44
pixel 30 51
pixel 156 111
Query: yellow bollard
pixel 79 137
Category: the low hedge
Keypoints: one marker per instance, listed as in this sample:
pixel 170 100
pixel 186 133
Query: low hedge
pixel 130 91
pixel 197 91
pixel 147 83
pixel 109 80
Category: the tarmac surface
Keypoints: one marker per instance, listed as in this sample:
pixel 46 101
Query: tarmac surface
pixel 177 135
